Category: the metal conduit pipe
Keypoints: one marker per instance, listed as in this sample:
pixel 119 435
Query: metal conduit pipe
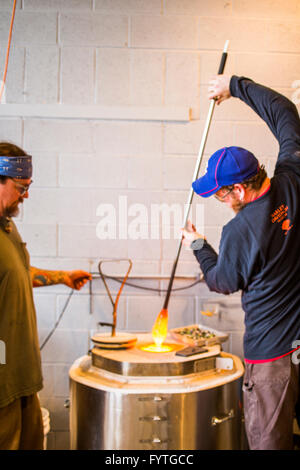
pixel 151 276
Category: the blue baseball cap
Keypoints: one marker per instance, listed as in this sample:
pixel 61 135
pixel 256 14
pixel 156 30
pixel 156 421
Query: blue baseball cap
pixel 229 165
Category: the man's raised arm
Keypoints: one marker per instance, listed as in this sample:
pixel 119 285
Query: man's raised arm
pixel 279 113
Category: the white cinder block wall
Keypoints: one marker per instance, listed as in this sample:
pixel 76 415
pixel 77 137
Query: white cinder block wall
pixel 129 54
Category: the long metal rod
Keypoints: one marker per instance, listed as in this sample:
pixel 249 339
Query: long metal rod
pixel 199 160
pixel 196 172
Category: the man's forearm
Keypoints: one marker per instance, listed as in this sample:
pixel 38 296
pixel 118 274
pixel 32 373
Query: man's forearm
pixel 221 271
pixel 42 277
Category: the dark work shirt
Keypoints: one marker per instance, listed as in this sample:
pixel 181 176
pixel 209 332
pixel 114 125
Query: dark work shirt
pixel 259 250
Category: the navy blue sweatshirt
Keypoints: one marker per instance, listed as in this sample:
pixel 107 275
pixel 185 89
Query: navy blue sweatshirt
pixel 259 251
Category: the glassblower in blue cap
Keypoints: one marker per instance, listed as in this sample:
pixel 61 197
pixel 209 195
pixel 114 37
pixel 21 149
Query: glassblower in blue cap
pixel 259 254
pixel 21 424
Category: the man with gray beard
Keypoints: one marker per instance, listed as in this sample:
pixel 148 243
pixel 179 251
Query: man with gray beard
pixel 21 425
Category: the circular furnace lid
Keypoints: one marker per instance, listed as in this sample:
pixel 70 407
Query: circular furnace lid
pixel 121 340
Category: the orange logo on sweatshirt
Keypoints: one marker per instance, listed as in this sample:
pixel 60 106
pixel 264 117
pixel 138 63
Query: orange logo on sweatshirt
pixel 280 215
pixel 286 225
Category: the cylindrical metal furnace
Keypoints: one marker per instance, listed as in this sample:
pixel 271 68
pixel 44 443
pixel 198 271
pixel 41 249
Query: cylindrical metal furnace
pixel 136 400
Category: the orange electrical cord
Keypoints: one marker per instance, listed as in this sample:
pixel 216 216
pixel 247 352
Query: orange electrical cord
pixel 8 49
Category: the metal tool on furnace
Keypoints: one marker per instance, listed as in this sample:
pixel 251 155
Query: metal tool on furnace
pixel 160 326
pixel 114 340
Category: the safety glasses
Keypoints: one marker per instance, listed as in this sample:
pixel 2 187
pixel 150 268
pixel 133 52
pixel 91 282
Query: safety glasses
pixel 221 198
pixel 22 188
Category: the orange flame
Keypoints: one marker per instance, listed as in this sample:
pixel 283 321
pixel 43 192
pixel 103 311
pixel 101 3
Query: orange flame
pixel 160 328
pixel 159 333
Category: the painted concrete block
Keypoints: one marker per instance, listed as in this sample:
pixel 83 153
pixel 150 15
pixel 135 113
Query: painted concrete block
pixel 41 87
pixel 100 171
pixel 45 169
pixel 283 36
pixel 128 139
pixel 45 306
pixel 93 29
pixel 182 79
pixel 179 139
pixel 50 206
pixel 129 6
pixel 11 130
pixel 147 78
pixel 164 32
pixel 42 207
pixel 58 135
pixel 64 346
pixel 77 83
pixel 14 85
pixel 59 264
pixel 257 138
pixel 178 172
pixel 144 249
pixel 267 9
pixel 58 5
pixel 185 139
pixel 143 311
pixel 144 173
pixel 83 241
pixel 264 68
pixel 40 239
pixel 244 35
pixel 7 5
pixel 113 76
pixel 76 315
pixel 29 27
pixel 198 7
